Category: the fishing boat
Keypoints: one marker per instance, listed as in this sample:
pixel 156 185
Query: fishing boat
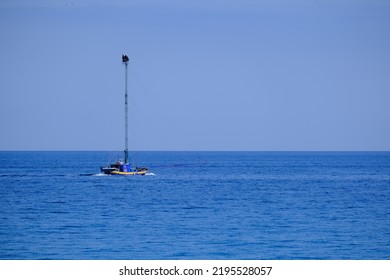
pixel 124 167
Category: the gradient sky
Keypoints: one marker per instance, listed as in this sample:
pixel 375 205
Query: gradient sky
pixel 203 75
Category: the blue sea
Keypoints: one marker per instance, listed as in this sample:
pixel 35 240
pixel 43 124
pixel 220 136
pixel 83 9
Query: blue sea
pixel 196 205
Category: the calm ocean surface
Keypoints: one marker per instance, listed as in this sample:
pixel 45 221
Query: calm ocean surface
pixel 198 205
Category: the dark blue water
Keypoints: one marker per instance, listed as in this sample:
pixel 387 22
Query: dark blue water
pixel 199 205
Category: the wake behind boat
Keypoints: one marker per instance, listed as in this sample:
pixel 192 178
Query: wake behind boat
pixel 120 167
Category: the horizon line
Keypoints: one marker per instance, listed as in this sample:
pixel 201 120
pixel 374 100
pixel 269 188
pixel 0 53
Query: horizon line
pixel 223 151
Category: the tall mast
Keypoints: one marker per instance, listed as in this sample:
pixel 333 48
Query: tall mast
pixel 125 60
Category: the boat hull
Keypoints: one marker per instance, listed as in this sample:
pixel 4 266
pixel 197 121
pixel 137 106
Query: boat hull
pixel 118 171
pixel 128 173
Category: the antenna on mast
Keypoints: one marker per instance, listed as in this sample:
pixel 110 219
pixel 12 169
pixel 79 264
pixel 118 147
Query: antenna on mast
pixel 125 60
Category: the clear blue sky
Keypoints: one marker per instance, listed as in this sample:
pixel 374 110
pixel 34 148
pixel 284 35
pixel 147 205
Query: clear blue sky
pixel 203 75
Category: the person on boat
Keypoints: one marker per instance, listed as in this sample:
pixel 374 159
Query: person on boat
pixel 125 58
